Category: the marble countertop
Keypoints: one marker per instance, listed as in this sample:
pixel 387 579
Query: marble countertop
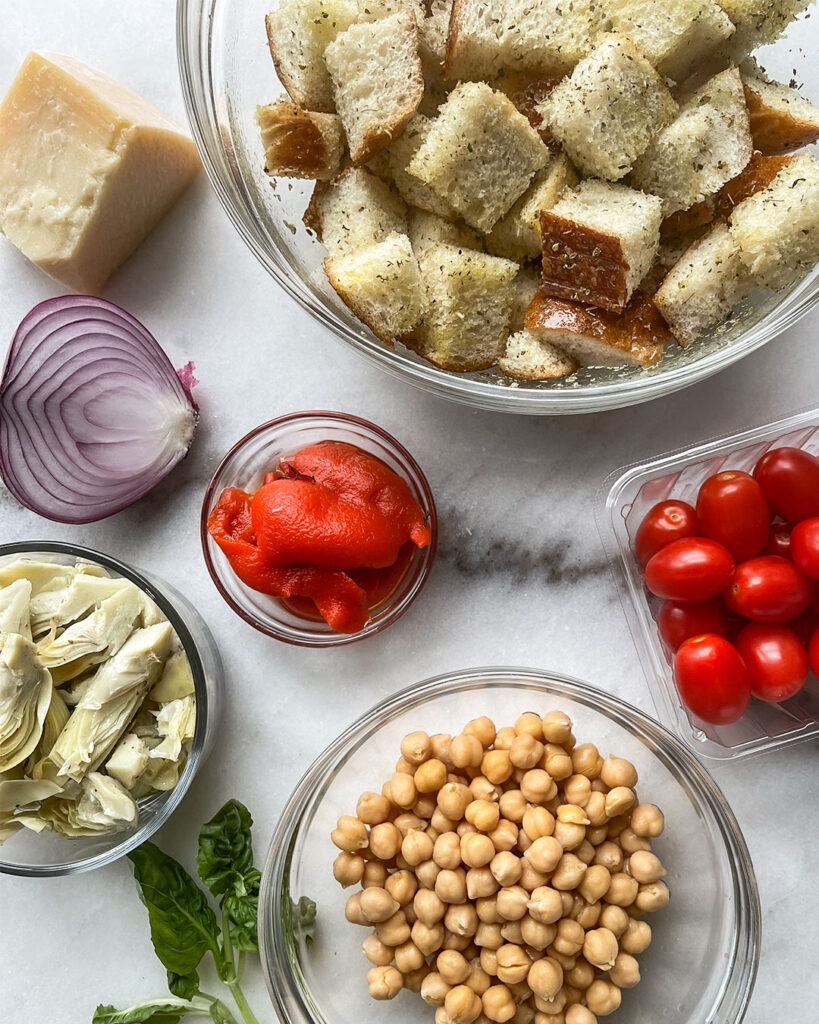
pixel 521 577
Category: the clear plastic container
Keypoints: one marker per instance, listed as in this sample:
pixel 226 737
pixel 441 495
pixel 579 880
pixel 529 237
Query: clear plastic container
pixel 679 474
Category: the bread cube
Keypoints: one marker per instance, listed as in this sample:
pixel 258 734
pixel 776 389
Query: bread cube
pixel 781 119
pixel 480 154
pixel 377 79
pixel 759 22
pixel 524 288
pixel 353 211
pixel 298 32
pixel 427 229
pixel 300 143
pixel 608 110
pixel 413 190
pixel 777 229
pixel 675 37
pixel 490 37
pixel 381 284
pixel 707 144
pixel 758 175
pixel 528 92
pixel 432 32
pixel 703 288
pixel 530 357
pixel 599 242
pixel 468 305
pixel 595 337
pixel 517 234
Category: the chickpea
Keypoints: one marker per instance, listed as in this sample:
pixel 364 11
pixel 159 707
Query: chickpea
pixel 556 727
pixel 427 873
pixel 523 1014
pixel 631 842
pixel 478 980
pixel 403 791
pixel 570 937
pixel 577 790
pixel 586 760
pixel 416 847
pixel 376 952
pixel 428 938
pixel 549 1018
pixel 653 896
pixel 513 964
pixel 524 842
pixel 466 751
pixel 483 814
pixel 480 882
pixel 488 910
pixel 551 1006
pixel 483 728
pixel 350 834
pixel 579 1014
pixel 385 840
pixel 545 977
pixel 538 786
pixel 538 822
pixel 526 751
pixel 557 762
pixel 572 814
pixel 441 1016
pixel 428 908
pixel 384 982
pixel 477 850
pixel 402 886
pixel 430 776
pixel 450 886
pixel 617 771
pixel 462 1005
pixel 439 745
pixel 408 821
pixel 620 800
pixel 498 1004
pixel 505 738
pixel 511 932
pixel 505 836
pixel 544 854
pixel 600 948
pixel 372 808
pixel 410 914
pixel 537 934
pixel 462 919
pixel 348 869
pixel 460 943
pixel 377 905
pixel 568 900
pixel 569 873
pixel 610 856
pixel 570 836
pixel 434 989
pixel 482 789
pixel 602 997
pixel 489 936
pixel 394 930
pixel 529 724
pixel 615 919
pixel 465 828
pixel 636 938
pixel 585 851
pixel 446 851
pixel 595 883
pixel 513 805
pixel 424 806
pixel 647 821
pixel 618 825
pixel 622 891
pixel 413 980
pixel 497 766
pixel 595 808
pixel 530 878
pixel 375 873
pixel 408 957
pixel 453 799
pixel 581 975
pixel 586 914
pixel 506 868
pixel 512 903
pixel 645 867
pixel 452 966
pixel 545 905
pixel 489 961
pixel 626 971
pixel 416 747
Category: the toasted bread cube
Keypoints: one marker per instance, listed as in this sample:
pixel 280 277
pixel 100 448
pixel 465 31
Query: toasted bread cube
pixel 675 37
pixel 759 174
pixel 298 32
pixel 353 211
pixel 300 143
pixel 381 284
pixel 760 22
pixel 467 308
pixel 490 37
pixel 413 190
pixel 517 234
pixel 480 154
pixel 432 33
pixel 427 229
pixel 596 337
pixel 524 288
pixel 707 144
pixel 703 288
pixel 528 92
pixel 781 119
pixel 599 242
pixel 530 357
pixel 777 229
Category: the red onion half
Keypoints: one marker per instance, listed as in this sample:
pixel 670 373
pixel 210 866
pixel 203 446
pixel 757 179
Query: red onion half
pixel 92 413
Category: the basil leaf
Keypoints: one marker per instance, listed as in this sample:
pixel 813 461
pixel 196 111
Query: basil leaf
pixel 225 857
pixel 183 925
pixel 158 1011
pixel 243 912
pixel 183 985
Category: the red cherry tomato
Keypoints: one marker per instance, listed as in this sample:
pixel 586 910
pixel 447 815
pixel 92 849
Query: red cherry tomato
pixel 665 522
pixel 692 569
pixel 813 653
pixel 776 661
pixel 805 625
pixel 779 541
pixel 732 509
pixel 679 621
pixel 712 679
pixel 805 547
pixel 768 589
pixel 790 479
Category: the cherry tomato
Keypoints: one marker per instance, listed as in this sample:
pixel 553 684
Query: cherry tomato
pixel 776 661
pixel 712 679
pixel 692 569
pixel 732 509
pixel 768 589
pixel 679 621
pixel 805 546
pixel 779 541
pixel 665 522
pixel 805 625
pixel 813 653
pixel 790 479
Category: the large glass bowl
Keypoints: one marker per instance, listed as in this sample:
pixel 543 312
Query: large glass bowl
pixel 701 965
pixel 50 854
pixel 227 72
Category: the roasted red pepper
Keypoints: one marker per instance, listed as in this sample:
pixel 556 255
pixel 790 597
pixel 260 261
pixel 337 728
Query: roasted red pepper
pixel 333 524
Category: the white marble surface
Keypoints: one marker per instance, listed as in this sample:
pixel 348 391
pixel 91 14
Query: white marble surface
pixel 521 576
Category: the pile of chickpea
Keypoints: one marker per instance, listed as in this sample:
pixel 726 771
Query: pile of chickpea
pixel 505 874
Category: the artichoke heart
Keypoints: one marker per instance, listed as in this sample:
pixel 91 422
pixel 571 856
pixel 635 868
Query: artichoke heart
pixel 175 722
pixel 110 700
pixel 14 610
pixel 177 679
pixel 97 636
pixel 104 806
pixel 25 696
pixel 16 793
pixel 39 574
pixel 78 595
pixel 129 760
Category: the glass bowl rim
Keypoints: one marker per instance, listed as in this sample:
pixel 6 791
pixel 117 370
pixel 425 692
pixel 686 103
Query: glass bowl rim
pixel 326 640
pixel 280 964
pixel 174 796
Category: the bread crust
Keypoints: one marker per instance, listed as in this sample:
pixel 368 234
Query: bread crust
pixel 300 143
pixel 774 129
pixel 582 264
pixel 759 173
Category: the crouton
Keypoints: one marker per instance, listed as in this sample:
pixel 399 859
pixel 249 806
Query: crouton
pixel 487 37
pixel 703 288
pixel 777 230
pixel 377 79
pixel 530 357
pixel 427 229
pixel 781 119
pixel 432 33
pixel 759 173
pixel 527 92
pixel 298 32
pixel 517 234
pixel 412 189
pixel 596 337
pixel 684 221
pixel 599 242
pixel 675 37
pixel 354 210
pixel 759 22
pixel 608 110
pixel 381 284
pixel 524 289
pixel 707 144
pixel 480 154
pixel 300 143
pixel 467 308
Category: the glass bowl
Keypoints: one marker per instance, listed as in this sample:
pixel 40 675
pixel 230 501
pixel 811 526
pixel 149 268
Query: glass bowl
pixel 49 854
pixel 702 963
pixel 245 466
pixel 227 72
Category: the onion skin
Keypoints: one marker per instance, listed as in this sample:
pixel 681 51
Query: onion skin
pixel 92 413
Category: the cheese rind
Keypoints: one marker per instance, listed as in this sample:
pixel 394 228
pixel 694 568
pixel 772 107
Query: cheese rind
pixel 87 169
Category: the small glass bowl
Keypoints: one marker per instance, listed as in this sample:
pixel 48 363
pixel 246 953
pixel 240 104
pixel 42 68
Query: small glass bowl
pixel 245 466
pixel 49 854
pixel 702 963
